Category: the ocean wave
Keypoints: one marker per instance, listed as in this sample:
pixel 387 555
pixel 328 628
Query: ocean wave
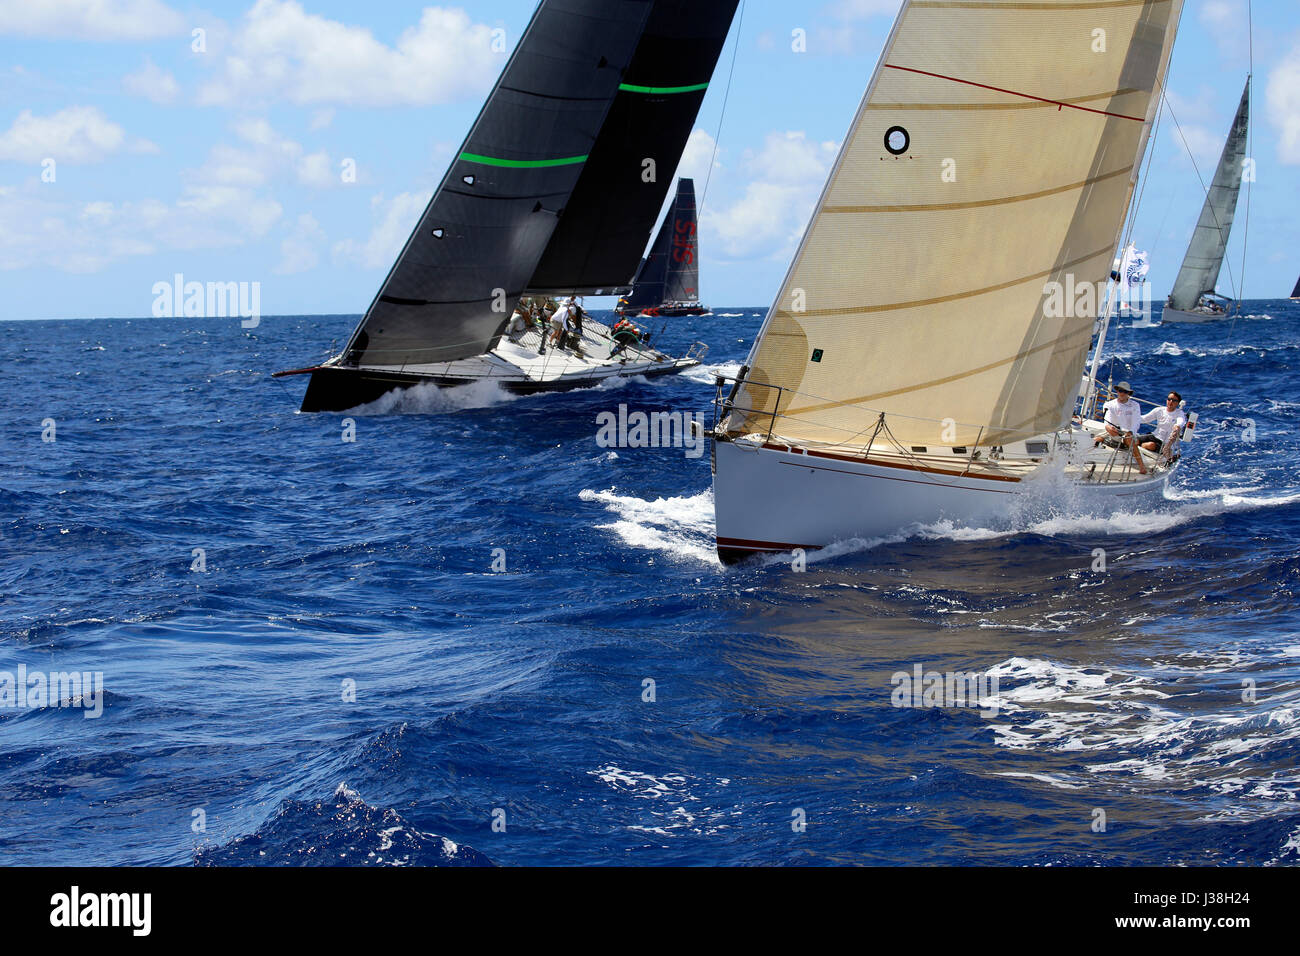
pixel 1135 729
pixel 674 801
pixel 343 830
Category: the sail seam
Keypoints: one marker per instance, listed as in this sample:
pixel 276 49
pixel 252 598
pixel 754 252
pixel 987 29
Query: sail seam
pixel 1061 104
pixel 1029 4
pixel 975 204
pixel 893 306
pixel 554 96
pixel 1127 91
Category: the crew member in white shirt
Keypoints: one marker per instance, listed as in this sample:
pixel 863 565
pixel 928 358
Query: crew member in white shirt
pixel 1170 421
pixel 559 322
pixel 1122 419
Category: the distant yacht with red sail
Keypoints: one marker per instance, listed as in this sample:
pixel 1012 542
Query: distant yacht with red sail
pixel 667 283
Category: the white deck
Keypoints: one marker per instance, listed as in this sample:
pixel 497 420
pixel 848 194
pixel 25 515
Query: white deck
pixel 516 360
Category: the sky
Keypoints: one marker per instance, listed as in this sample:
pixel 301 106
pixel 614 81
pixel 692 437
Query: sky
pixel 294 143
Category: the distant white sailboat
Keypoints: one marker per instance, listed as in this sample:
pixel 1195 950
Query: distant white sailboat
pixel 917 365
pixel 1194 298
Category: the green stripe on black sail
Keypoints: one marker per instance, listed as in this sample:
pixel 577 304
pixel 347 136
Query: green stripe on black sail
pixel 662 90
pixel 615 207
pixel 522 163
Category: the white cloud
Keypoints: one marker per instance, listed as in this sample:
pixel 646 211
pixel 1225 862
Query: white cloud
pixel 1283 104
pixel 280 52
pixel 76 135
pixel 862 9
pixel 90 19
pixel 39 228
pixel 1226 22
pixel 787 176
pixel 317 170
pixel 153 83
pixel 394 221
pixel 263 155
pixel 300 251
pixel 228 213
pixel 222 203
pixel 698 157
pixel 1203 126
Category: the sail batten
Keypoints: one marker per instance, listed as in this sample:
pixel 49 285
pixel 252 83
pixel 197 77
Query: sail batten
pixel 981 213
pixel 1199 274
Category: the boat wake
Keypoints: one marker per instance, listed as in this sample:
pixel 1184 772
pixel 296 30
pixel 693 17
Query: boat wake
pixel 429 399
pixel 677 526
pixel 707 374
pixel 684 526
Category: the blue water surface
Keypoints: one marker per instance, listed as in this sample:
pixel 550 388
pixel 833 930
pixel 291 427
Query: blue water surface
pixel 1148 714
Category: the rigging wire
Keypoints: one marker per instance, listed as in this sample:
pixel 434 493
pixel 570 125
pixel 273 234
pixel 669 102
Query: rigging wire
pixel 1250 153
pixel 1126 233
pixel 1250 143
pixel 726 96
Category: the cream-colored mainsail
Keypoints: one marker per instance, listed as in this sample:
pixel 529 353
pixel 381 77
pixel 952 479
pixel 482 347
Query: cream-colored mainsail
pixel 995 152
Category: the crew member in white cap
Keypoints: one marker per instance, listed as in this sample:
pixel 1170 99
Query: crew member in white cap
pixel 1122 419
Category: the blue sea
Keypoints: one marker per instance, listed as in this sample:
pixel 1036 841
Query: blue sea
pixel 473 635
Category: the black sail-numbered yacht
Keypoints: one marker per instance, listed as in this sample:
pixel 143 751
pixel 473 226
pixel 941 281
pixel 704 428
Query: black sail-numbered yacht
pixel 546 200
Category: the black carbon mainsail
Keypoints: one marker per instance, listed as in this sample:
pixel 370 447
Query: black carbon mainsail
pixel 479 240
pixel 671 271
pixel 599 241
pixel 547 190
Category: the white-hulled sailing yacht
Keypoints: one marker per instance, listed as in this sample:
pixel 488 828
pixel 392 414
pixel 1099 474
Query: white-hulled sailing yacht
pixel 548 197
pixel 923 360
pixel 1194 298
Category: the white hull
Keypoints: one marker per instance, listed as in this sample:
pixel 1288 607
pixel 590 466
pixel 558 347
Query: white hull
pixel 1178 315
pixel 774 500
